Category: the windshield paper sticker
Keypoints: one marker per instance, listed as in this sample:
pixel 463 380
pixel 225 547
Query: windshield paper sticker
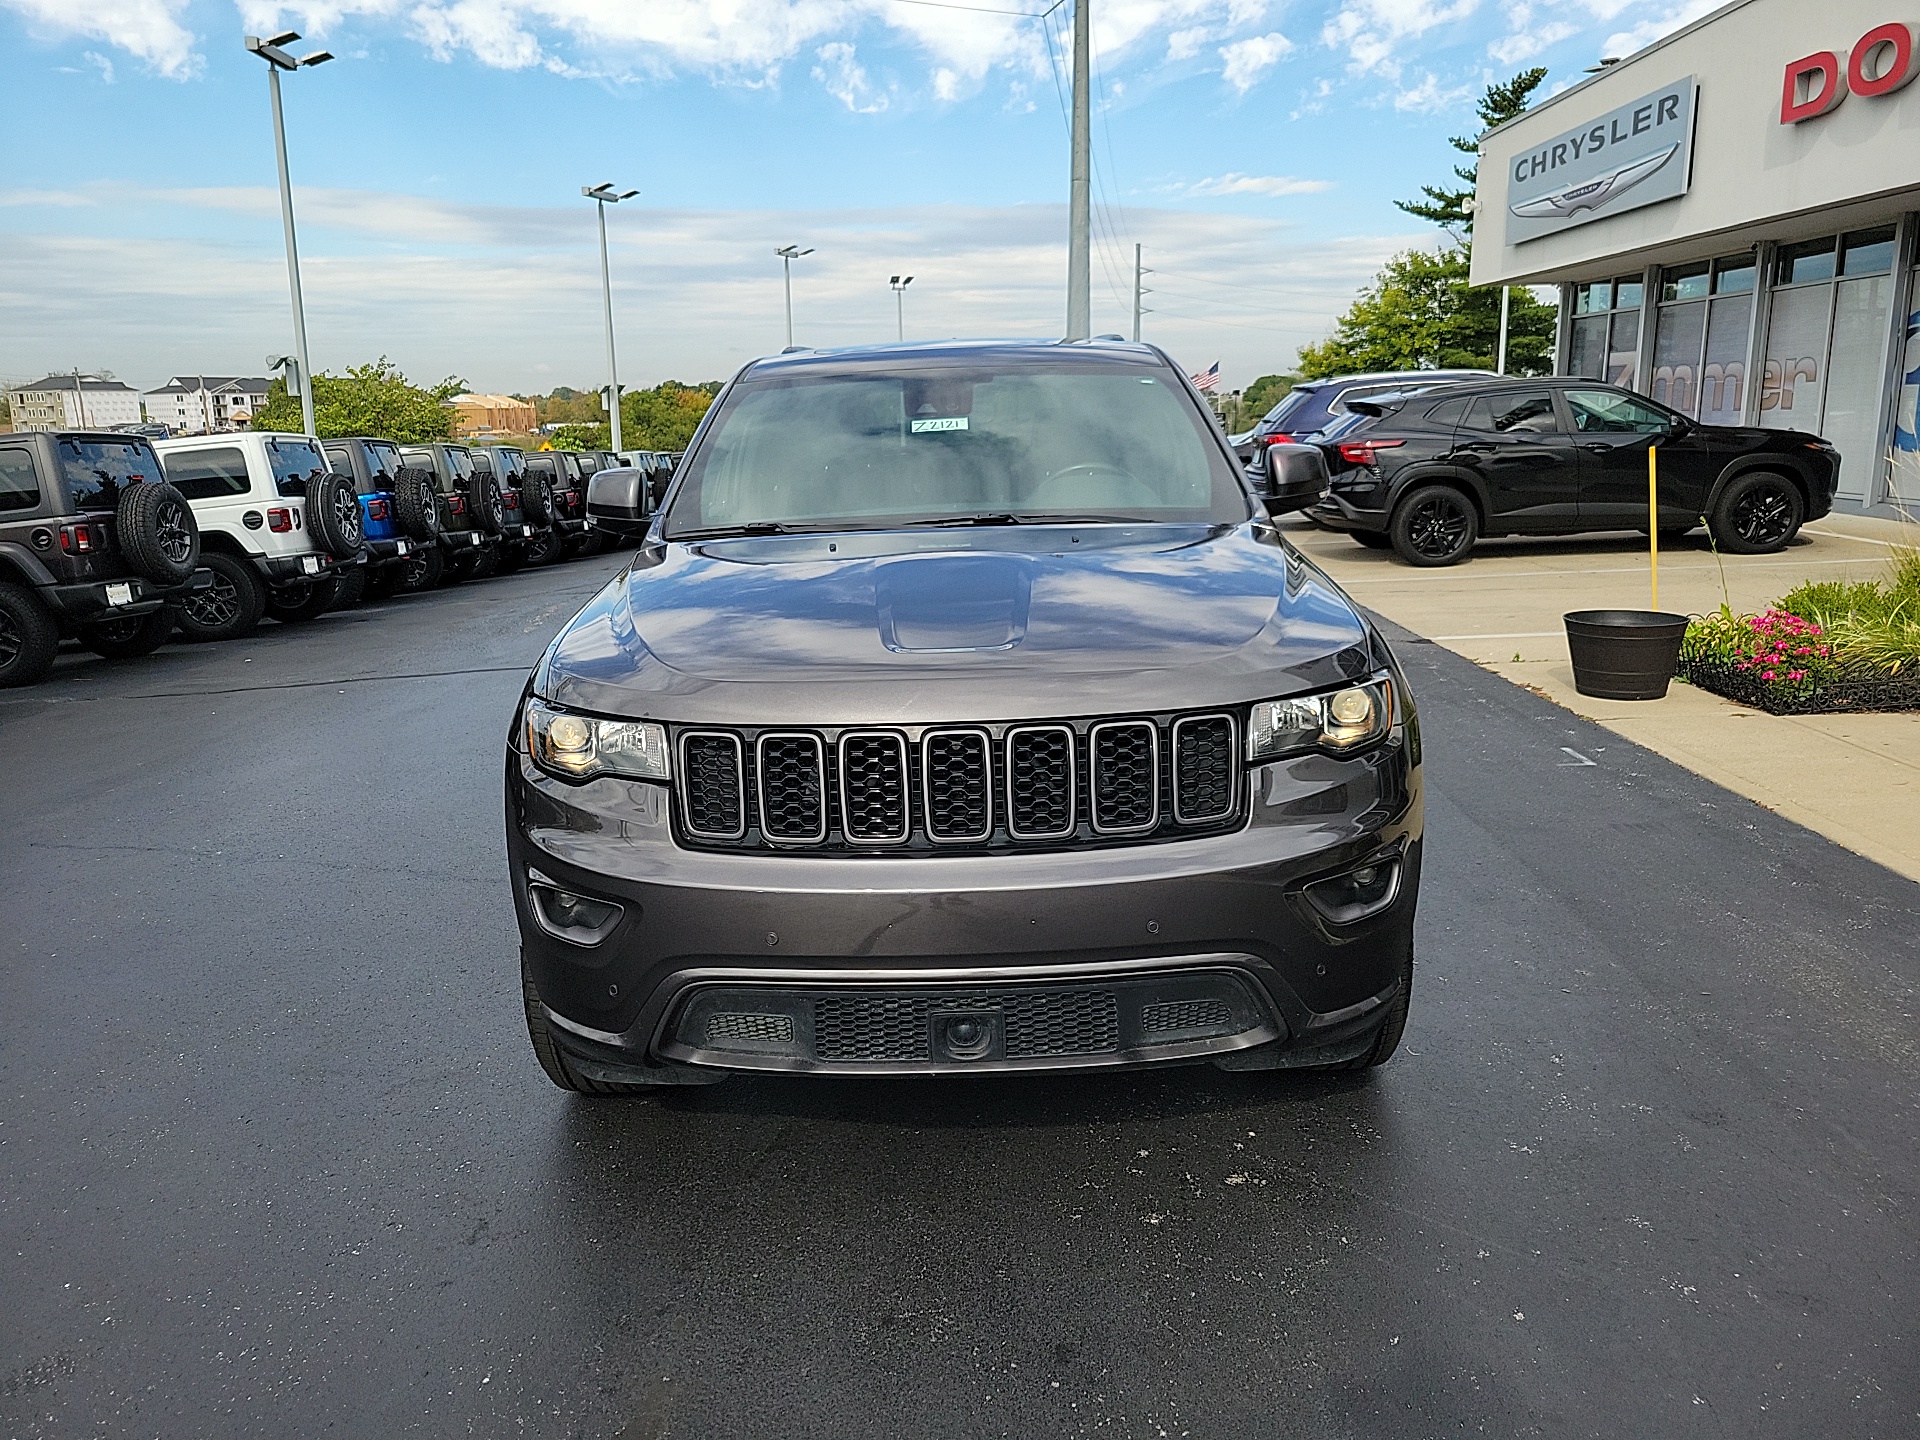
pixel 934 427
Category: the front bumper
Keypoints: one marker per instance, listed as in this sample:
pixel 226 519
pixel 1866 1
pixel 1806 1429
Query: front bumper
pixel 1202 949
pixel 125 597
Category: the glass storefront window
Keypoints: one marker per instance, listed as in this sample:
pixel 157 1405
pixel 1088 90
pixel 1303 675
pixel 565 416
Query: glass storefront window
pixel 1676 355
pixel 1806 261
pixel 1905 477
pixel 1626 294
pixel 1683 282
pixel 1854 379
pixel 1867 252
pixel 1723 369
pixel 1733 275
pixel 1605 340
pixel 1795 379
pixel 1592 299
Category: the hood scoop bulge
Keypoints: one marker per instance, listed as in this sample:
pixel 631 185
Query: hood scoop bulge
pixel 949 603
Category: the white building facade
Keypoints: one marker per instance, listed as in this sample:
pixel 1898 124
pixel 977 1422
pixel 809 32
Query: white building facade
pixel 207 404
pixel 73 402
pixel 1732 217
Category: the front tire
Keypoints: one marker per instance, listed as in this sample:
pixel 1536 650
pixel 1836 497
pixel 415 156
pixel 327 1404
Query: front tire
pixel 227 609
pixel 553 1060
pixel 131 638
pixel 1758 513
pixel 1435 525
pixel 29 637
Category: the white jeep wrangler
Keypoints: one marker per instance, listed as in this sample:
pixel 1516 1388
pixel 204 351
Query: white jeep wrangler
pixel 277 528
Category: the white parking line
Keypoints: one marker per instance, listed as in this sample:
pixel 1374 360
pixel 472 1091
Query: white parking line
pixel 1862 539
pixel 1463 574
pixel 1501 635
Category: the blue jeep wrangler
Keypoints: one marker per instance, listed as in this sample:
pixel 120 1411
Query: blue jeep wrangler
pixel 398 518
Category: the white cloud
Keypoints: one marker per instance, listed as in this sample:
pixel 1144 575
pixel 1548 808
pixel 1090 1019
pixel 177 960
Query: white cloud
pixel 149 29
pixel 846 80
pixel 397 275
pixel 1625 42
pixel 1374 32
pixel 1247 60
pixel 1527 37
pixel 1429 96
pixel 1185 44
pixel 1234 183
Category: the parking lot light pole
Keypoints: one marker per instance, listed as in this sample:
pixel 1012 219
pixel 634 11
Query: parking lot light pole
pixel 788 254
pixel 900 284
pixel 273 52
pixel 602 196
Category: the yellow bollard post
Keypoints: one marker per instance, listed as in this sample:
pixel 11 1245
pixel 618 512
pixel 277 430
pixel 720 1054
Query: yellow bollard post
pixel 1653 519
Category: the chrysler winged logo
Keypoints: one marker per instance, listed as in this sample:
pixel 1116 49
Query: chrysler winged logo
pixel 1594 194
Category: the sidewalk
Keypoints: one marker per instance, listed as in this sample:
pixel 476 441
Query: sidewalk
pixel 1853 778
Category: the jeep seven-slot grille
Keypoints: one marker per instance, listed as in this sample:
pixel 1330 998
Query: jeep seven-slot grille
pixel 990 787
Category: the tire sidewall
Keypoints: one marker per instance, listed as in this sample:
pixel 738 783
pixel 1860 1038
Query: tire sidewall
pixel 1399 529
pixel 234 580
pixel 37 633
pixel 1738 489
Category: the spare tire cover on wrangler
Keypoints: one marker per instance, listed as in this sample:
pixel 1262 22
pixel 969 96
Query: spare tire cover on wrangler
pixel 536 498
pixel 489 506
pixel 416 502
pixel 333 516
pixel 158 535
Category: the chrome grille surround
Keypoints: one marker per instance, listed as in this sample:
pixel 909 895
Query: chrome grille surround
pixel 790 773
pixel 1049 793
pixel 941 793
pixel 711 764
pixel 1115 796
pixel 1206 762
pixel 874 791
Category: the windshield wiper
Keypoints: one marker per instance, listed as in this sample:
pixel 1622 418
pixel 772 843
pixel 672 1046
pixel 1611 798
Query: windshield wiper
pixel 1030 517
pixel 751 527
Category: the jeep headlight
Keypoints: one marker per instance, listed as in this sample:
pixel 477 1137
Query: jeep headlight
pixel 578 747
pixel 1338 721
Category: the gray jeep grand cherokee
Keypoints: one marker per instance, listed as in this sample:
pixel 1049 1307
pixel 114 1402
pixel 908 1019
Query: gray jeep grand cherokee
pixel 961 712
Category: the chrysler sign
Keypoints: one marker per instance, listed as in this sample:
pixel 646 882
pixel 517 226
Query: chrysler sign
pixel 1636 155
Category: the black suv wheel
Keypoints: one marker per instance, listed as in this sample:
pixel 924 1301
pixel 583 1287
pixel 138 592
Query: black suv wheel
pixel 1757 514
pixel 228 608
pixel 29 638
pixel 303 602
pixel 130 638
pixel 1435 525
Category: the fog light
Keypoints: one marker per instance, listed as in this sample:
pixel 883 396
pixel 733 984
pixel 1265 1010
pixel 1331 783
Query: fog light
pixel 1365 890
pixel 578 919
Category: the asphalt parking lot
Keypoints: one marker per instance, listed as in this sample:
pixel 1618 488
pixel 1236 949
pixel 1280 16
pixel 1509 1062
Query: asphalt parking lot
pixel 275 1157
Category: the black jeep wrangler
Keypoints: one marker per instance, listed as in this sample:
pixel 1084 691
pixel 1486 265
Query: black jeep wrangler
pixel 529 500
pixel 473 514
pixel 567 483
pixel 93 544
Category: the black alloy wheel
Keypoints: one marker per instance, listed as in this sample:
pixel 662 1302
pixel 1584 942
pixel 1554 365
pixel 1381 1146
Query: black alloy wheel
pixel 29 637
pixel 130 637
pixel 1757 514
pixel 1436 525
pixel 228 608
pixel 175 532
pixel 346 514
pixel 157 532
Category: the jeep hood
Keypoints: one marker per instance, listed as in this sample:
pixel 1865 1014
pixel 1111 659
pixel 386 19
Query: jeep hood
pixel 938 626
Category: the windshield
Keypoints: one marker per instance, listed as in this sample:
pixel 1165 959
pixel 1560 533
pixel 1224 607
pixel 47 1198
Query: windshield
pixel 383 460
pixel 97 470
pixel 1002 444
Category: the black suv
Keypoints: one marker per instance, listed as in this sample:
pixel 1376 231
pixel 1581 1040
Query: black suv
pixel 1312 405
pixel 1430 473
pixel 568 486
pixel 473 516
pixel 93 543
pixel 961 713
pixel 529 537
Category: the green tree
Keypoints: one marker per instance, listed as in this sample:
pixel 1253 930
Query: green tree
pixel 665 417
pixel 1266 392
pixel 1452 210
pixel 1420 314
pixel 371 399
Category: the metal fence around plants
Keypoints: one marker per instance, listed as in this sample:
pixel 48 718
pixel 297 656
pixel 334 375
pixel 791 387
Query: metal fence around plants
pixel 1859 692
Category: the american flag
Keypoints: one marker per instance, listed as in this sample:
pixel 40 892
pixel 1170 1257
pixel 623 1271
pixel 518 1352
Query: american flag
pixel 1207 378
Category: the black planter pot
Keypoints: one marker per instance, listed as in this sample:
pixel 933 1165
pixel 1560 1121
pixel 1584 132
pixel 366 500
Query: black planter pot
pixel 1624 654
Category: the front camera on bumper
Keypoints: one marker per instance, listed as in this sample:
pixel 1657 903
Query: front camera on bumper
pixel 1337 721
pixel 579 747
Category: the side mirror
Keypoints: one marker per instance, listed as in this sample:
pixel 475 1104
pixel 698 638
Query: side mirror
pixel 1679 426
pixel 1293 478
pixel 617 503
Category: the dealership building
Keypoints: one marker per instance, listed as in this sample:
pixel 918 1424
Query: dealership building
pixel 1730 217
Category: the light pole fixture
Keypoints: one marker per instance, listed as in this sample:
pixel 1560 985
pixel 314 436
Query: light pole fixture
pixel 788 254
pixel 900 284
pixel 602 196
pixel 273 51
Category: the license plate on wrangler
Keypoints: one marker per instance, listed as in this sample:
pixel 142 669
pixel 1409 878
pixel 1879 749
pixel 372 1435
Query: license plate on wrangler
pixel 310 564
pixel 119 594
pixel 401 547
pixel 526 531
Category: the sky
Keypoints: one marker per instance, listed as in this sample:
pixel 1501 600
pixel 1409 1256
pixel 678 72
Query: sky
pixel 1253 148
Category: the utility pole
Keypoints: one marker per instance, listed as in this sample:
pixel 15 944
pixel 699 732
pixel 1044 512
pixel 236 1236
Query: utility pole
pixel 1506 299
pixel 602 196
pixel 900 284
pixel 788 254
pixel 278 59
pixel 1079 190
pixel 1138 291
